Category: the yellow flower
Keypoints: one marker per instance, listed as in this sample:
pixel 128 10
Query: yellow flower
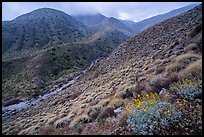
pixel 145 110
pixel 184 100
pixel 180 104
pixel 138 95
pixel 138 106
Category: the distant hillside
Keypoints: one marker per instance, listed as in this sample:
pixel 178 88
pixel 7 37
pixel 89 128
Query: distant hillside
pixel 139 26
pixel 98 22
pixel 40 28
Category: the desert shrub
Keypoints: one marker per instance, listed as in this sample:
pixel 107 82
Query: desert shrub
pixel 116 102
pixel 141 78
pixel 94 112
pixel 159 70
pixel 158 61
pixel 123 120
pixel 62 122
pixel 126 92
pixel 172 57
pixel 51 121
pixel 173 77
pixel 105 113
pixel 166 61
pixel 138 87
pixel 157 82
pixel 79 120
pixel 187 88
pixel 148 111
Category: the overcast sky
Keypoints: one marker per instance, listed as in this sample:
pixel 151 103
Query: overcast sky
pixel 135 11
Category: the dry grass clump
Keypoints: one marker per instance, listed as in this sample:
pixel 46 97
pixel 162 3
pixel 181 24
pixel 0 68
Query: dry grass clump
pixel 182 61
pixel 52 120
pixel 62 122
pixel 192 70
pixel 79 120
pixel 158 61
pixel 192 46
pixel 116 102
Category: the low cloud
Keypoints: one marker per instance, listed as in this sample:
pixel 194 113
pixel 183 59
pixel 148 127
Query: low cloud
pixel 135 11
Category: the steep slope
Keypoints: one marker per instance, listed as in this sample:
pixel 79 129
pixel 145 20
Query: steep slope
pixel 98 22
pixel 142 25
pixel 149 58
pixel 40 28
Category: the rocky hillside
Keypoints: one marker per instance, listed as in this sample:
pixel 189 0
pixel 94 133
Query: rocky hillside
pixel 150 85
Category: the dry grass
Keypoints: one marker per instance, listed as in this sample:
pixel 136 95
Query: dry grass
pixel 100 128
pixel 192 70
pixel 159 70
pixel 195 30
pixel 182 61
pixel 50 130
pixel 116 102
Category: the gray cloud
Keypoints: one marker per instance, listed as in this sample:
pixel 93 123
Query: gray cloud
pixel 135 11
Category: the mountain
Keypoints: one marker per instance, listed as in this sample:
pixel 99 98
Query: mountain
pixel 150 84
pixel 41 46
pixel 142 25
pixel 41 28
pixel 98 22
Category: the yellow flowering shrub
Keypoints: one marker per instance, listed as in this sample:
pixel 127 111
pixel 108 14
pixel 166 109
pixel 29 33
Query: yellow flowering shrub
pixel 148 111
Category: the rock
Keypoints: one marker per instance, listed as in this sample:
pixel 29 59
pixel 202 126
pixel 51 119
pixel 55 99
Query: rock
pixel 118 110
pixel 163 92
